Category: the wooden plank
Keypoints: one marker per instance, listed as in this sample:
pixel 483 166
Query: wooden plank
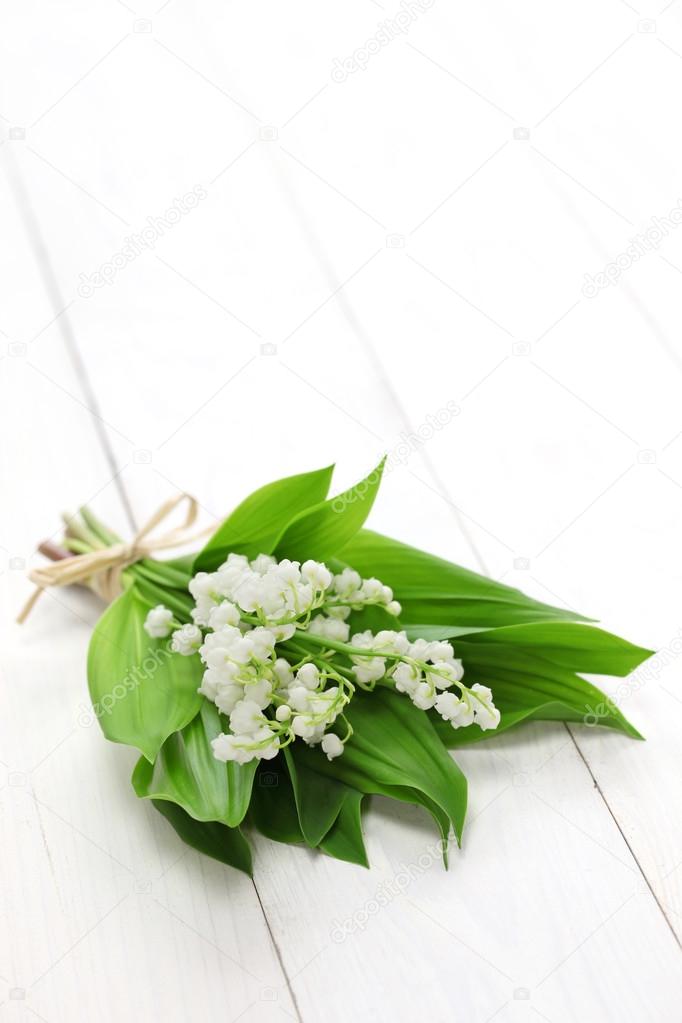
pixel 101 888
pixel 574 929
pixel 591 477
pixel 532 793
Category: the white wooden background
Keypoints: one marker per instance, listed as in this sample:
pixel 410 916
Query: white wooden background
pixel 367 251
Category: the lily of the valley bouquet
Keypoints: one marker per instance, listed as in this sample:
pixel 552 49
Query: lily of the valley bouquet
pixel 300 663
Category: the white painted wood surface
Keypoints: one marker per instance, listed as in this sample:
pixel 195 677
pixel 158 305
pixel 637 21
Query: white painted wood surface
pixel 367 252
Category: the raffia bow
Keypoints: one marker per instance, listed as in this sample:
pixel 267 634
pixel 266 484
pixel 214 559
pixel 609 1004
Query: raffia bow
pixel 101 569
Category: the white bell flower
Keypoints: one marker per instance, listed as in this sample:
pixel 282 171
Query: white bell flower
pixel 338 611
pixel 330 628
pixel 262 642
pixel 299 698
pixel 259 693
pixel 224 675
pixel 246 717
pixel 227 697
pixel 308 676
pixel 332 746
pixel 407 677
pixel 326 705
pixel 230 577
pixel 445 673
pixel 159 622
pixel 347 582
pixel 263 563
pixel 391 642
pixel 317 574
pixel 441 650
pixel 259 745
pixel 282 670
pixel 210 684
pixel 364 640
pixel 373 589
pixel 369 669
pixel 465 712
pixel 447 705
pixel 302 727
pixel 202 585
pixel 223 614
pixel 313 733
pixel 219 658
pixel 266 752
pixel 223 638
pixel 247 594
pixel 187 640
pixel 486 714
pixel 235 561
pixel 420 650
pixel 458 711
pixel 231 747
pixel 282 632
pixel 289 571
pixel 201 612
pixel 424 696
pixel 302 600
pixel 241 650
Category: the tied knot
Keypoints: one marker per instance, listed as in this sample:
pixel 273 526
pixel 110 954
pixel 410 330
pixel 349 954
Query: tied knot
pixel 101 569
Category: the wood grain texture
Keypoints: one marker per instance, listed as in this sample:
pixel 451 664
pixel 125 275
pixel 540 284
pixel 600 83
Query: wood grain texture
pixel 378 265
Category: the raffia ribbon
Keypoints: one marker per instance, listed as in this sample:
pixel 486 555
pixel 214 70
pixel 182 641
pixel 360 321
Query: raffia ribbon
pixel 101 569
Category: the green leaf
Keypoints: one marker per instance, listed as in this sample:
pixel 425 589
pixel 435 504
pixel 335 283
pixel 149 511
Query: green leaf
pixel 273 807
pixel 373 617
pixel 528 686
pixel 255 526
pixel 318 798
pixel 431 632
pixel 344 839
pixel 439 815
pixel 140 690
pixel 435 592
pixel 396 752
pixel 568 644
pixel 216 840
pixel 274 813
pixel 543 711
pixel 175 574
pixel 186 772
pixel 532 670
pixel 178 601
pixel 321 531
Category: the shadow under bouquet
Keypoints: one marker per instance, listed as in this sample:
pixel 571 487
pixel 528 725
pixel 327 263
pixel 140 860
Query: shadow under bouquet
pixel 300 662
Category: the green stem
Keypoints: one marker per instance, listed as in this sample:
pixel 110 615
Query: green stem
pixel 102 532
pixel 76 529
pixel 346 648
pixel 76 546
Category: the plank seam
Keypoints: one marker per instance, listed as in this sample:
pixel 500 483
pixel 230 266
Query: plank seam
pixel 51 285
pixel 56 299
pixel 625 838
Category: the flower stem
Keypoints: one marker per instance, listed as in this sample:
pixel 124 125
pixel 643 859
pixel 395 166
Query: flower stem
pixel 345 648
